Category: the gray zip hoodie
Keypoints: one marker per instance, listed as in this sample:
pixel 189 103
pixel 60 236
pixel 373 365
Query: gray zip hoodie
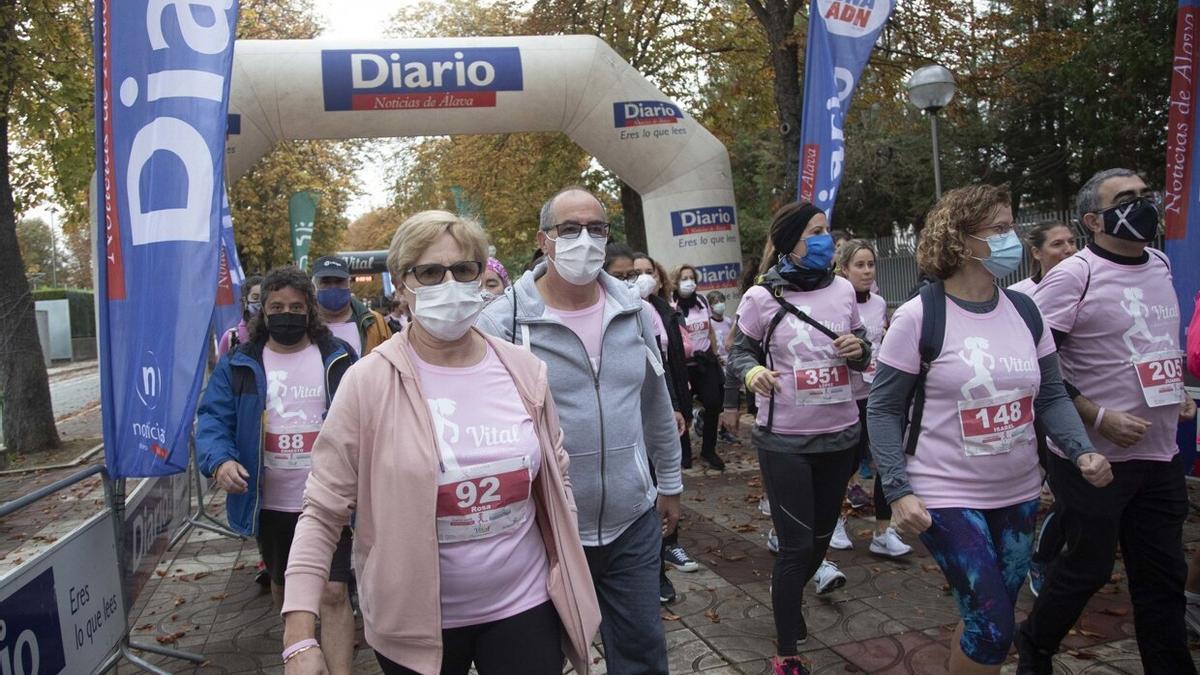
pixel 612 416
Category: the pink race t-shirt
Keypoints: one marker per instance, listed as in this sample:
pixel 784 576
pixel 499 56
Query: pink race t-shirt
pixel 721 329
pixel 1026 286
pixel 295 410
pixel 479 418
pixel 979 397
pixel 1128 312
pixel 803 355
pixel 587 323
pixel 660 329
pixel 873 313
pixel 696 323
pixel 348 331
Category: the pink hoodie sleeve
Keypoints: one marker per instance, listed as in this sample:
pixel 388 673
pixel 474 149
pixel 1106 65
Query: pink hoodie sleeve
pixel 329 499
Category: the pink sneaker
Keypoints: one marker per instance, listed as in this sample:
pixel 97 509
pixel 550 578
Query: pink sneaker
pixel 788 666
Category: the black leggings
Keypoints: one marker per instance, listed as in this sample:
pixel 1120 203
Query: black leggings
pixel 805 492
pixel 708 384
pixel 529 642
pixel 883 510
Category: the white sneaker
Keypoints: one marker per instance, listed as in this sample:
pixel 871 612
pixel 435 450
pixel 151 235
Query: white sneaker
pixel 764 506
pixel 840 540
pixel 889 544
pixel 772 541
pixel 828 578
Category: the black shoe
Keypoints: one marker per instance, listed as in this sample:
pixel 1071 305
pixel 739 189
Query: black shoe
pixel 666 590
pixel 1031 660
pixel 713 460
pixel 686 461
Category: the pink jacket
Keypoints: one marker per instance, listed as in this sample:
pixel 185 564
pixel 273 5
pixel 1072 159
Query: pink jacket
pixel 376 458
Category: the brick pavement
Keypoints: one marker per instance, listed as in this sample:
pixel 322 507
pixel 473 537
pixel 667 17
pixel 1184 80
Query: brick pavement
pixel 891 617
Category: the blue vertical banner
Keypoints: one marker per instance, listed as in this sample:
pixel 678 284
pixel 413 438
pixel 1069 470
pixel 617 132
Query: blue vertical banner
pixel 1181 187
pixel 228 310
pixel 162 92
pixel 840 37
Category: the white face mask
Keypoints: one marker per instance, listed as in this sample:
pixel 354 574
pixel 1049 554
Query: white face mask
pixel 719 309
pixel 645 285
pixel 578 260
pixel 687 287
pixel 447 311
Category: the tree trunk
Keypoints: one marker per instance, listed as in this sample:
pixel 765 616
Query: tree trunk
pixel 778 19
pixel 24 386
pixel 635 220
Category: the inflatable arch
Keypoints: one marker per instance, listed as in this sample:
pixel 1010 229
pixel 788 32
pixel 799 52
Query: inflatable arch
pixel 315 89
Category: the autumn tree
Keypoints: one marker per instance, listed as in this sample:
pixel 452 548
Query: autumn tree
pixel 44 103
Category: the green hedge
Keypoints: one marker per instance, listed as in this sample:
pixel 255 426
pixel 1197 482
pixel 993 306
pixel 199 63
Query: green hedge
pixel 80 304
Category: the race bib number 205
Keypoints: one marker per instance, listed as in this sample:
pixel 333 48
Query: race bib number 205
pixel 1161 377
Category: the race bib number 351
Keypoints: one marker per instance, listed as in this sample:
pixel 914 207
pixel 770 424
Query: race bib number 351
pixel 822 382
pixel 994 426
pixel 1161 377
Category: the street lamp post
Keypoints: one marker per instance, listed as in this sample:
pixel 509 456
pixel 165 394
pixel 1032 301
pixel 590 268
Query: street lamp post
pixel 931 88
pixel 53 249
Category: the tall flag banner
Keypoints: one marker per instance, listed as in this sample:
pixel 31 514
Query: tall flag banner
pixel 302 212
pixel 162 92
pixel 1182 184
pixel 228 310
pixel 840 38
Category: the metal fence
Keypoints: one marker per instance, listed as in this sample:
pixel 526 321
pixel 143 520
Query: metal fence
pixel 896 270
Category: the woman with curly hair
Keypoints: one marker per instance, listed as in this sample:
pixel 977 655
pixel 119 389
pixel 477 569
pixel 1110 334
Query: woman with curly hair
pixel 966 477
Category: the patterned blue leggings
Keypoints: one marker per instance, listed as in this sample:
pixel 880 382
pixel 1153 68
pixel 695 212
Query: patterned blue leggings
pixel 985 557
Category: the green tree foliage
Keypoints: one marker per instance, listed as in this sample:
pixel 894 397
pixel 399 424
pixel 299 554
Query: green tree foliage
pixel 41 252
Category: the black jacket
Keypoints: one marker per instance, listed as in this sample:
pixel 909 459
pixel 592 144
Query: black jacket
pixel 675 360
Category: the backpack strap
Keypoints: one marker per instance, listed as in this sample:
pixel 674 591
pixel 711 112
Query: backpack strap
pixel 1029 313
pixel 933 334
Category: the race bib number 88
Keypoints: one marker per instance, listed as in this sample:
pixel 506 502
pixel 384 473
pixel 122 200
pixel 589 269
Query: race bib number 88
pixel 291 449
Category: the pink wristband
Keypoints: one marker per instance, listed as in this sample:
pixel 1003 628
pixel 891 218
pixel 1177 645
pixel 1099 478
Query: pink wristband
pixel 1099 419
pixel 298 647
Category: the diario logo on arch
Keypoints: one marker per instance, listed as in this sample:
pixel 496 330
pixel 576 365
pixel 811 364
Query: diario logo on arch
pixel 418 79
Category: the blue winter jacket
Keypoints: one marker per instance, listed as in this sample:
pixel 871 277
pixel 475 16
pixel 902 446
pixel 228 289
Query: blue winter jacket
pixel 230 421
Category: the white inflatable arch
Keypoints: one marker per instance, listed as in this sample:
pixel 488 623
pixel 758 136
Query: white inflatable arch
pixel 316 89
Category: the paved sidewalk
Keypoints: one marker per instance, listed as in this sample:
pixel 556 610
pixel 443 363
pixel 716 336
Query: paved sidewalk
pixel 891 617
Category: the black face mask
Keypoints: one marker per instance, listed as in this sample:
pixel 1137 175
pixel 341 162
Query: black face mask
pixel 1132 221
pixel 286 328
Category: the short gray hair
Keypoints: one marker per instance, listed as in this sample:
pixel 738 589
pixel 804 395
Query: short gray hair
pixel 1088 199
pixel 546 218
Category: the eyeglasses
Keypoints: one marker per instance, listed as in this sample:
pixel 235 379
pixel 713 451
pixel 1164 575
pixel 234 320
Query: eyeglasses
pixel 431 274
pixel 998 228
pixel 1154 198
pixel 571 230
pixel 628 276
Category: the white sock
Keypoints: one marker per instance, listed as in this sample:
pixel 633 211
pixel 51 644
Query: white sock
pixel 1192 598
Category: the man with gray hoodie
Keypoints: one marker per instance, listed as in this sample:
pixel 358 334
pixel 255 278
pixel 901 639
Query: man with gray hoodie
pixel 607 380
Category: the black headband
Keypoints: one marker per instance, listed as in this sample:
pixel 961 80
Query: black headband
pixel 790 224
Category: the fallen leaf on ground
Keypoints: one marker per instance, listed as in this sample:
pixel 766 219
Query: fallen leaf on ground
pixel 199 575
pixel 711 615
pixel 170 639
pixel 179 601
pixel 239 566
pixel 146 626
pixel 218 596
pixel 746 528
pixel 1115 611
pixel 1089 633
pixel 668 616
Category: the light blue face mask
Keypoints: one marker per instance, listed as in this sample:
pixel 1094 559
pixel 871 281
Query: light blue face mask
pixel 1005 252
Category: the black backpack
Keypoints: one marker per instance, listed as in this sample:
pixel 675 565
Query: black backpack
pixel 933 334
